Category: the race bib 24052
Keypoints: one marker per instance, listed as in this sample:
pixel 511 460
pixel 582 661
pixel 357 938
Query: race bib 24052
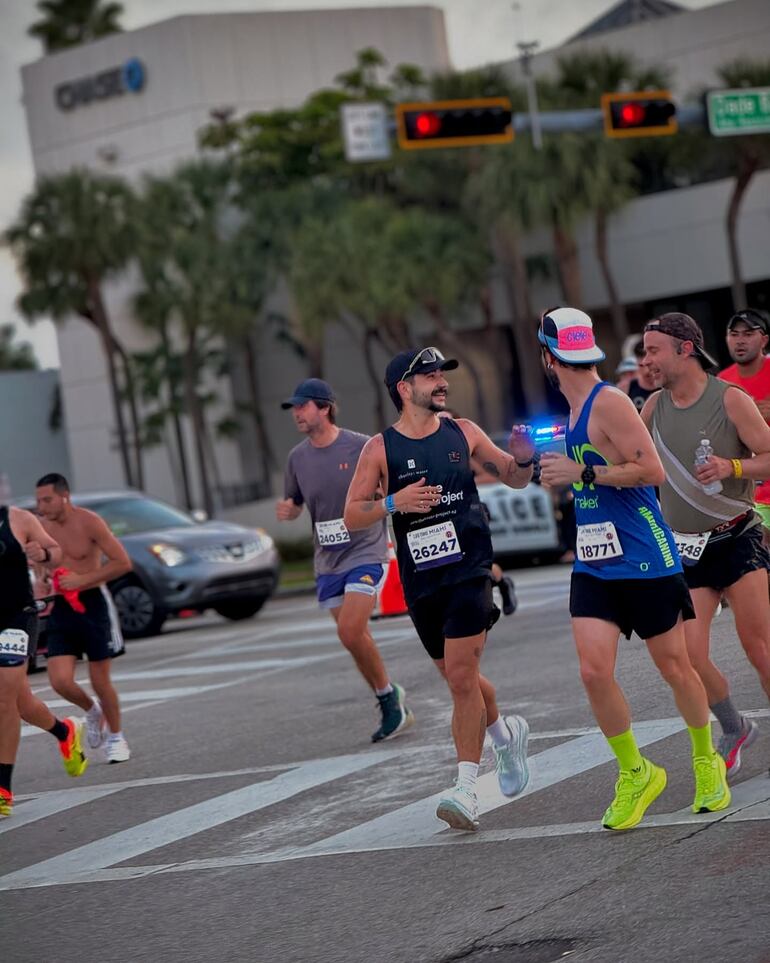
pixel 332 534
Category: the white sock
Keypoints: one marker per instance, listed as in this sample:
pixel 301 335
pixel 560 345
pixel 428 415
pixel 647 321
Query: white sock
pixel 467 774
pixel 116 735
pixel 95 709
pixel 499 732
pixel 386 691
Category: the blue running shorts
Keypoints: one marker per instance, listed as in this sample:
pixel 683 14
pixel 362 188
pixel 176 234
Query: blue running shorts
pixel 364 579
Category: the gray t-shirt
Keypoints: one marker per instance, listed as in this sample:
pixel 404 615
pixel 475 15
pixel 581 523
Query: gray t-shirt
pixel 319 478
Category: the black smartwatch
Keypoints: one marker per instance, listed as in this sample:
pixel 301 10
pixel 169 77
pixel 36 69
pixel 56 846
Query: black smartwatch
pixel 526 464
pixel 588 475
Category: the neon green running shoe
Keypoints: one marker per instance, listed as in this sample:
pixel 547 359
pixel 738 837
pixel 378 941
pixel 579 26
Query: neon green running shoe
pixel 73 757
pixel 634 792
pixel 711 790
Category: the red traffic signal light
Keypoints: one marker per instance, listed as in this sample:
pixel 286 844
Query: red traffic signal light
pixel 454 123
pixel 646 113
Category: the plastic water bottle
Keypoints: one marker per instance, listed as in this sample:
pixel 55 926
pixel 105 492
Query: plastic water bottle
pixel 703 452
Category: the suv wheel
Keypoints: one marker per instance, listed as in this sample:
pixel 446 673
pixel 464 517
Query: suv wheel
pixel 239 609
pixel 139 614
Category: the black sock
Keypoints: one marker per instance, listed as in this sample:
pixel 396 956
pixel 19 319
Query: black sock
pixel 6 772
pixel 59 730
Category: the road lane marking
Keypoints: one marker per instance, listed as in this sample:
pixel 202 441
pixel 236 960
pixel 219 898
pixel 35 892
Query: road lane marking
pixel 54 802
pixel 189 821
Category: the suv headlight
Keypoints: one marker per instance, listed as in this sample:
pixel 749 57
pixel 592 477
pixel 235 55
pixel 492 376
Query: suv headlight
pixel 264 541
pixel 168 554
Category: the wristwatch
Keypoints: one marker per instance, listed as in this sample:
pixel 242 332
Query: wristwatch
pixel 588 475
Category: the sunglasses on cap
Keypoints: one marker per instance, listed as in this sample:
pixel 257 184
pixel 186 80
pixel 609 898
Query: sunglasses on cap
pixel 426 356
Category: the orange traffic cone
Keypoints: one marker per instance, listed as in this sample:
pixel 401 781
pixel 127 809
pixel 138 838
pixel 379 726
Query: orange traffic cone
pixel 391 599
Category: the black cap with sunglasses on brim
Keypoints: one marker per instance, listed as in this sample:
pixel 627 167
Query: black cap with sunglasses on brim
pixel 683 328
pixel 416 361
pixel 754 320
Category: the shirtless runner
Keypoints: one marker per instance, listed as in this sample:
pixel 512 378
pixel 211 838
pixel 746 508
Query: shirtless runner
pixel 91 556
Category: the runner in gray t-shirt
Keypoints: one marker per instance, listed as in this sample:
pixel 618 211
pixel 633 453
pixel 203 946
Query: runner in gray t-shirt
pixel 349 566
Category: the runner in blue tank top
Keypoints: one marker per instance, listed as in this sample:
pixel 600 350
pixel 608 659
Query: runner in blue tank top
pixel 423 466
pixel 627 575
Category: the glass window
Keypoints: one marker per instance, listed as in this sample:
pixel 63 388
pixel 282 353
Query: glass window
pixel 131 516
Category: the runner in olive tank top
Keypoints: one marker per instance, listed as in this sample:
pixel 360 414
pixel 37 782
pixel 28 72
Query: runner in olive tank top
pixel 423 464
pixel 717 532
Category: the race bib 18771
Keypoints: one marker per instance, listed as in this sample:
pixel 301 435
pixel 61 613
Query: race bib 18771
pixel 598 542
pixel 434 545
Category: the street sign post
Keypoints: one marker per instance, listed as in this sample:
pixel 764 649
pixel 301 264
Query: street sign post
pixel 365 132
pixel 745 110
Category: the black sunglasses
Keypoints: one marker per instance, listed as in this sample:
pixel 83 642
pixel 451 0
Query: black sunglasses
pixel 426 356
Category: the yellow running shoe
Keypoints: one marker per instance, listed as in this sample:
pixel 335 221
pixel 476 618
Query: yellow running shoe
pixel 75 761
pixel 711 790
pixel 6 802
pixel 634 792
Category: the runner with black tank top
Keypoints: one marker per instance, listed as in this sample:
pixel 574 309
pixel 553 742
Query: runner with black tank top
pixel 718 533
pixel 423 464
pixel 627 575
pixel 23 542
pixel 349 566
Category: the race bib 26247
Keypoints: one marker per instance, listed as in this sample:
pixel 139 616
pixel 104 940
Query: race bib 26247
pixel 434 545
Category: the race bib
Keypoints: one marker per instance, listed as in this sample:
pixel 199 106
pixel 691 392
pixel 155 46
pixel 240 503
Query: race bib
pixel 14 642
pixel 598 542
pixel 332 534
pixel 434 545
pixel 690 547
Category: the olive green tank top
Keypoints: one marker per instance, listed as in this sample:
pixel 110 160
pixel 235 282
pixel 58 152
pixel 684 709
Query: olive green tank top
pixel 677 432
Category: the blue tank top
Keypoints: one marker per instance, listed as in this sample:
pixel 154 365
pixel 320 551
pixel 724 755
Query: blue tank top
pixel 649 550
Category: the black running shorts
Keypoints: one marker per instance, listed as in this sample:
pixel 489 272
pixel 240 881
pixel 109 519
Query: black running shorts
pixel 727 557
pixel 79 633
pixel 647 606
pixel 24 621
pixel 454 612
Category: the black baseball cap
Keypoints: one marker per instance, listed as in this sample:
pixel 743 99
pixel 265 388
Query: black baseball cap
pixel 751 318
pixel 313 389
pixel 417 361
pixel 683 328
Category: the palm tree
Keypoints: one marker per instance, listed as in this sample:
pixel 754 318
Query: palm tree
pixel 67 23
pixel 749 154
pixel 15 356
pixel 74 232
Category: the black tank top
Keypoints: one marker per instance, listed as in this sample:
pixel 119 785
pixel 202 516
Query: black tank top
pixel 430 563
pixel 15 587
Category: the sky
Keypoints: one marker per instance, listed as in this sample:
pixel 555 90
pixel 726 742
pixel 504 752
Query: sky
pixel 479 32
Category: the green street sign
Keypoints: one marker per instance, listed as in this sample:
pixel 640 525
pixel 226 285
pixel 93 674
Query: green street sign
pixel 745 110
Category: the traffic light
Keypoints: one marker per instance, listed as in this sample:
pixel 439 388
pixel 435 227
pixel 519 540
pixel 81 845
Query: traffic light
pixel 454 123
pixel 646 113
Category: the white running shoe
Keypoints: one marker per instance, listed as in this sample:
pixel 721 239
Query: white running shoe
pixel 117 749
pixel 511 759
pixel 460 808
pixel 95 730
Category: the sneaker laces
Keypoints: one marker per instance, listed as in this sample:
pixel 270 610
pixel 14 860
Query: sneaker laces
pixel 705 774
pixel 627 785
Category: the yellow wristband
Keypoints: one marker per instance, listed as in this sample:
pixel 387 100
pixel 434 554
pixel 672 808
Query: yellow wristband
pixel 737 467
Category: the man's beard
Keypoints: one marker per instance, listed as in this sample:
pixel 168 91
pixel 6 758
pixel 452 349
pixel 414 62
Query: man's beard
pixel 552 377
pixel 428 401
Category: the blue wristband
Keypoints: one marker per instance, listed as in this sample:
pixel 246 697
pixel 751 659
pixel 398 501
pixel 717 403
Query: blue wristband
pixel 390 505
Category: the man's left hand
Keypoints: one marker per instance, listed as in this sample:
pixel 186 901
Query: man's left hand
pixel 520 443
pixel 715 469
pixel 559 470
pixel 73 581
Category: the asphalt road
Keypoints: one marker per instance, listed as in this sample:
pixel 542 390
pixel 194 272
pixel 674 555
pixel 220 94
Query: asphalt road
pixel 256 822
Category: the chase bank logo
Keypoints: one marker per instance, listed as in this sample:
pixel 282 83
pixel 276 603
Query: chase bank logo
pixel 130 77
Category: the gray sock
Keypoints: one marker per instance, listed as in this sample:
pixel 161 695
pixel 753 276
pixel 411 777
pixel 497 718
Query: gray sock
pixel 727 715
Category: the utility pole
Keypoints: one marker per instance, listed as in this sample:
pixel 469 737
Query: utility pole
pixel 526 50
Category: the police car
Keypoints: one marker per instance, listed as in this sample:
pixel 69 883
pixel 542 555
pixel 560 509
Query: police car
pixel 523 521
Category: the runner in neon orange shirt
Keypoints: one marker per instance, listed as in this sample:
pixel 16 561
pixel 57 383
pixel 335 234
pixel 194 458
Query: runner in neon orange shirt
pixel 748 334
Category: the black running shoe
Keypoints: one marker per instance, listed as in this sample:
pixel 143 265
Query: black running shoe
pixel 396 715
pixel 508 593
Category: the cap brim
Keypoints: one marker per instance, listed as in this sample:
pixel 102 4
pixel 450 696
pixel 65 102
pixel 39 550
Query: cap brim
pixel 290 402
